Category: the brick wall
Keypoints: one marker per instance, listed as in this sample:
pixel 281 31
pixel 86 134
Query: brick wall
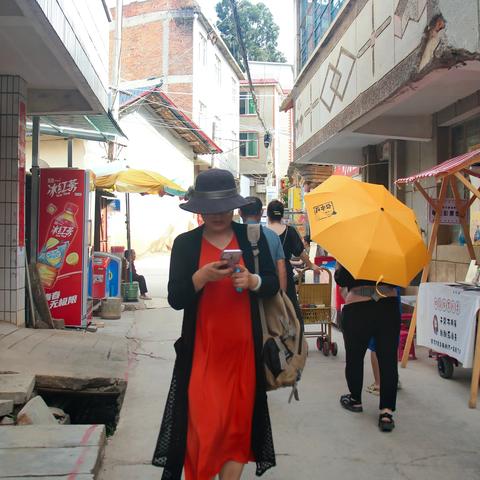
pixel 142 52
pixel 157 40
pixel 183 100
pixel 181 47
pixel 140 8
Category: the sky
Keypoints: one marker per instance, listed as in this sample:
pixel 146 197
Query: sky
pixel 282 11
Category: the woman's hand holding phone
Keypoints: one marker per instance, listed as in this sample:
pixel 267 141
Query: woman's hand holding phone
pixel 211 272
pixel 243 279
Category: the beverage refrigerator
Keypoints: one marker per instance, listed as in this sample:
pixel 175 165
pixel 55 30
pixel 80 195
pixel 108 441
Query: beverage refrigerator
pixel 64 239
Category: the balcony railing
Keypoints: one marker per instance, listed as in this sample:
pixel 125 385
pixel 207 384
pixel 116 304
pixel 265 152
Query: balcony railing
pixel 316 16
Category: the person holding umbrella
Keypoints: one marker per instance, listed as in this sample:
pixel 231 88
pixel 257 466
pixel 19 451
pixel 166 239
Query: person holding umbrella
pixel 370 311
pixel 378 246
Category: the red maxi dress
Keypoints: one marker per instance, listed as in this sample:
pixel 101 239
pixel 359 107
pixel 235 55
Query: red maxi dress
pixel 221 392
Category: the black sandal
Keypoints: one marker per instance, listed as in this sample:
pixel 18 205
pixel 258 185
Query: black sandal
pixel 349 403
pixel 385 422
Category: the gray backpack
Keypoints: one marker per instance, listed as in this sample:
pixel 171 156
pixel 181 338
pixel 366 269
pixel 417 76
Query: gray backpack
pixel 284 346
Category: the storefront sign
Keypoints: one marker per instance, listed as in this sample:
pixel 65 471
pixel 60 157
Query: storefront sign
pixel 450 214
pixel 347 170
pixel 446 320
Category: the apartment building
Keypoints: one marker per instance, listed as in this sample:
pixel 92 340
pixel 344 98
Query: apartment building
pixel 272 83
pixel 173 40
pixel 391 86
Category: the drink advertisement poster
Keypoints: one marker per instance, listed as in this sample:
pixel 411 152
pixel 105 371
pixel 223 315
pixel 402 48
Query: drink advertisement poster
pixel 61 242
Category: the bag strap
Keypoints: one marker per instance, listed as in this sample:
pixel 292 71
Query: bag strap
pixel 285 237
pixel 253 234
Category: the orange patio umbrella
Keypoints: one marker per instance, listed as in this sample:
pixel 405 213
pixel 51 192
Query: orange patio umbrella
pixel 369 231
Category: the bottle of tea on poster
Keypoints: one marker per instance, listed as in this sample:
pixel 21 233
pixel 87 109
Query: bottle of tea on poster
pixel 62 231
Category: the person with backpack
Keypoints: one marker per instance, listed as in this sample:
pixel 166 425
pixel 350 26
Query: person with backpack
pixel 216 416
pixel 251 215
pixel 292 246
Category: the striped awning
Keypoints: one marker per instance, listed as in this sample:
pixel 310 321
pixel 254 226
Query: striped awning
pixel 449 167
pixel 172 116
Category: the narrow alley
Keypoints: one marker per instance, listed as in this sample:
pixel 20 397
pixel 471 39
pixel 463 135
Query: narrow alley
pixel 436 435
pixel 264 166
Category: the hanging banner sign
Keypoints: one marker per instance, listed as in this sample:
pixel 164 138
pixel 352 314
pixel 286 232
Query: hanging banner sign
pixel 450 214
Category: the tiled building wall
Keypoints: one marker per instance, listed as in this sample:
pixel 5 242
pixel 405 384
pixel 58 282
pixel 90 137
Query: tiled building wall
pixel 12 250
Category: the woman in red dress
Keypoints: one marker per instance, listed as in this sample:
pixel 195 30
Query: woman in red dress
pixel 216 419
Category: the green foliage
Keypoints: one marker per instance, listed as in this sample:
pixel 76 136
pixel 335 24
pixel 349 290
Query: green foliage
pixel 259 31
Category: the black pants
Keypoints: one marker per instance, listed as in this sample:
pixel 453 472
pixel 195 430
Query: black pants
pixel 360 322
pixel 142 284
pixel 292 295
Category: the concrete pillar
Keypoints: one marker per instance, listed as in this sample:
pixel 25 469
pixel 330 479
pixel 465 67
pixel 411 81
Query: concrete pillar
pixel 12 199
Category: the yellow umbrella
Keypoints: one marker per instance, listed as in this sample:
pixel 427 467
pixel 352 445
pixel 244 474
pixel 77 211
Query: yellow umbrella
pixel 371 233
pixel 139 181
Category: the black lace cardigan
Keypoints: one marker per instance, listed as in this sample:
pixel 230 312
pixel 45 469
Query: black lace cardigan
pixel 171 445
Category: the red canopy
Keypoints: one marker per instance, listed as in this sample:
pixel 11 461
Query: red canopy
pixel 448 167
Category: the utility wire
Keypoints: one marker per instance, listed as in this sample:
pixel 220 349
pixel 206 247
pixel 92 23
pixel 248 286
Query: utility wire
pixel 243 52
pixel 144 101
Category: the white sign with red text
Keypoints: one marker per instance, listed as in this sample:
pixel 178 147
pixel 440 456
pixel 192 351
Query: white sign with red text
pixel 446 320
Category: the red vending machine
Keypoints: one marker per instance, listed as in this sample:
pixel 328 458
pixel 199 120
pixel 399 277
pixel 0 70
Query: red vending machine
pixel 63 243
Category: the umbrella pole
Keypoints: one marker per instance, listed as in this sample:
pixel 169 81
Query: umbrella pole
pixel 127 223
pixel 433 241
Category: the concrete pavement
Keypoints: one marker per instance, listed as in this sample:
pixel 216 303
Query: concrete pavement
pixel 51 451
pixel 64 353
pixel 128 454
pixel 155 269
pixel 437 435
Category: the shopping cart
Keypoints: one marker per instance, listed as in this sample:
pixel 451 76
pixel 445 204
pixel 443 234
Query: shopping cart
pixel 315 301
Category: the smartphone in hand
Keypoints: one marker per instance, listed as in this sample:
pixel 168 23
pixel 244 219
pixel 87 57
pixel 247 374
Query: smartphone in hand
pixel 233 257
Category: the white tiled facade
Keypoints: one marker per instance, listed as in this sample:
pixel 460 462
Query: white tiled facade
pixel 12 256
pixel 378 39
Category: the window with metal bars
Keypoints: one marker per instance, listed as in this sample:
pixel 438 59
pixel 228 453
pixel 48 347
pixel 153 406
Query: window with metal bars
pixel 316 17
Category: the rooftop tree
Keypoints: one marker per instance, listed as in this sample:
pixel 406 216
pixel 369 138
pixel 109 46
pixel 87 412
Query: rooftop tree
pixel 259 31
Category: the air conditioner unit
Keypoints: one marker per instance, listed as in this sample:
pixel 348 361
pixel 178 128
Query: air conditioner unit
pixel 261 188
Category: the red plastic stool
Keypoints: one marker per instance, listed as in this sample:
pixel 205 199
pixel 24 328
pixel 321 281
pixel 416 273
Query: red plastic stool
pixel 406 317
pixel 323 259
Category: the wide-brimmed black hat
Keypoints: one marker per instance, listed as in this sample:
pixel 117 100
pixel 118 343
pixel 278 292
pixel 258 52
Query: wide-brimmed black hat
pixel 215 191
